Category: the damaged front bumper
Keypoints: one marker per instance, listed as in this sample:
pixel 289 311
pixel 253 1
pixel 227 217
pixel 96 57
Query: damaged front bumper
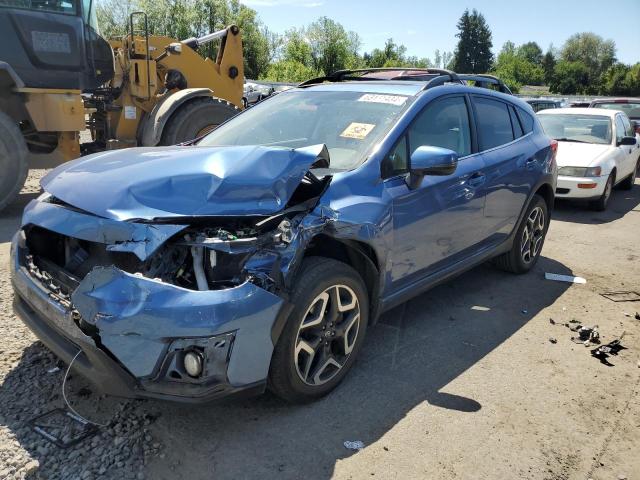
pixel 134 331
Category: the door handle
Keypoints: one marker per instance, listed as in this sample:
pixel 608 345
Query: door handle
pixel 476 179
pixel 530 163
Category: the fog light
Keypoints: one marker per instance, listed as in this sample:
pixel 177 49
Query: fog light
pixel 193 363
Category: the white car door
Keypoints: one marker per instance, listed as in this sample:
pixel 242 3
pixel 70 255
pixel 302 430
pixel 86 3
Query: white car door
pixel 630 132
pixel 625 154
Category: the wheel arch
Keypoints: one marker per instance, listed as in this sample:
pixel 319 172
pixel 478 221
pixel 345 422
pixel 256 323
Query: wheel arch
pixel 546 192
pixel 157 119
pixel 358 255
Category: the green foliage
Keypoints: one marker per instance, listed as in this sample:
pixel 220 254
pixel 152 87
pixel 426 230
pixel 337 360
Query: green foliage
pixel 570 78
pixel 288 71
pixel 621 79
pixel 548 65
pixel 473 53
pixel 531 52
pixel 516 68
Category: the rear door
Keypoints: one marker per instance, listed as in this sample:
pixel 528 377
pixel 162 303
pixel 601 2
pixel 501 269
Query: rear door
pixel 441 220
pixel 509 162
pixel 628 153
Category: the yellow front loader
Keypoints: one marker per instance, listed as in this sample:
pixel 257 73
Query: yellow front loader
pixel 139 90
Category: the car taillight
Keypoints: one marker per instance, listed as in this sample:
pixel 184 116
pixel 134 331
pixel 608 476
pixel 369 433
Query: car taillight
pixel 554 153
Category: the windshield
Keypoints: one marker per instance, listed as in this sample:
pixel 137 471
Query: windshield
pixel 58 6
pixel 577 128
pixel 631 109
pixel 348 123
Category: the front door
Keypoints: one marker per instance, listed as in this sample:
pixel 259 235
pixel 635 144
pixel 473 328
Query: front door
pixel 441 219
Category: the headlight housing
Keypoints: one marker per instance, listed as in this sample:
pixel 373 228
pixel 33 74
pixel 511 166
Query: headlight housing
pixel 580 171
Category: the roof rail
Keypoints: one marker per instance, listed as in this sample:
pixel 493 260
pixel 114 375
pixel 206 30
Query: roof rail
pixel 485 78
pixel 358 74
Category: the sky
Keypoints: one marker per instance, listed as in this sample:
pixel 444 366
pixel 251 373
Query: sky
pixel 426 25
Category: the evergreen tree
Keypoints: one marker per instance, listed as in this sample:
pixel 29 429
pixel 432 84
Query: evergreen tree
pixel 548 65
pixel 473 53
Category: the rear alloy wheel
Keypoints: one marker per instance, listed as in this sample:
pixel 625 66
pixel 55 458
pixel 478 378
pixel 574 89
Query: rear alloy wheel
pixel 528 240
pixel 601 203
pixel 323 333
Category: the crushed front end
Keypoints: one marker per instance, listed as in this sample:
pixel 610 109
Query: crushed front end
pixel 186 312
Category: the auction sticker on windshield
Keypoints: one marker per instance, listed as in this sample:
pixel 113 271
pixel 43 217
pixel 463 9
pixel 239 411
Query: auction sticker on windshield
pixel 357 130
pixel 380 98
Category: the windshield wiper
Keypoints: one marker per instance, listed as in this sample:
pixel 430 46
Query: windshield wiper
pixel 570 140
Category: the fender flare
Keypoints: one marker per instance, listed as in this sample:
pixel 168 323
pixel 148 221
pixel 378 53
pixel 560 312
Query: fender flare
pixel 154 122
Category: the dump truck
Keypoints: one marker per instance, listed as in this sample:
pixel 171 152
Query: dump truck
pixel 59 77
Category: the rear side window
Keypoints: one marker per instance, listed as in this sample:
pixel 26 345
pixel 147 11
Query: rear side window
pixel 517 128
pixel 526 120
pixel 493 122
pixel 627 127
pixel 620 130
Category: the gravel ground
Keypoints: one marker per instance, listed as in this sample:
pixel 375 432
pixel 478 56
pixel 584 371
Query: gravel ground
pixel 442 389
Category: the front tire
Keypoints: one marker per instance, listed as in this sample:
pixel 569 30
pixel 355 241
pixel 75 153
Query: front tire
pixel 197 118
pixel 529 239
pixel 600 205
pixel 323 333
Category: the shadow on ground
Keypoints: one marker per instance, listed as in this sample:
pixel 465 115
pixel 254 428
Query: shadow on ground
pixel 409 357
pixel 621 203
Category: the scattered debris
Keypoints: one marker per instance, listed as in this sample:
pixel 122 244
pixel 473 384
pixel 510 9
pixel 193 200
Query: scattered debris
pixel 524 311
pixel 604 351
pixel 626 314
pixel 637 316
pixel 587 335
pixel 622 296
pixel 552 321
pixel 355 445
pixel 564 278
pixel 553 340
pixel 53 370
pixel 62 428
pixel 480 308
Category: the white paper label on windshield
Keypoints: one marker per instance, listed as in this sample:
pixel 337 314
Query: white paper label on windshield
pixel 357 130
pixel 379 98
pixel 129 112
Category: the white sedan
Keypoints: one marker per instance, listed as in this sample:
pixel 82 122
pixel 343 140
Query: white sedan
pixel 597 150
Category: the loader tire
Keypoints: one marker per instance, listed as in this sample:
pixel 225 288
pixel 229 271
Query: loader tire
pixel 13 160
pixel 196 118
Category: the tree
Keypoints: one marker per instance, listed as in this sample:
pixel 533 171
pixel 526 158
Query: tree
pixel 473 53
pixel 570 78
pixel 288 71
pixel 548 65
pixel 592 51
pixel 515 68
pixel 331 45
pixel 531 52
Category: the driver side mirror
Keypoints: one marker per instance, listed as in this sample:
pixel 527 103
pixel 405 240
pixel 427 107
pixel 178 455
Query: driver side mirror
pixel 627 141
pixel 427 160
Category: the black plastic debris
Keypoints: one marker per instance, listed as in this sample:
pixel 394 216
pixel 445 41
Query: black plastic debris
pixel 637 316
pixel 62 428
pixel 622 296
pixel 603 352
pixel 553 340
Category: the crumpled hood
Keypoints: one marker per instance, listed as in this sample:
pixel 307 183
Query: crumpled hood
pixel 147 183
pixel 573 154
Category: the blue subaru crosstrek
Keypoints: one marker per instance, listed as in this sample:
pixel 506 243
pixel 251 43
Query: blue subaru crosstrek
pixel 258 255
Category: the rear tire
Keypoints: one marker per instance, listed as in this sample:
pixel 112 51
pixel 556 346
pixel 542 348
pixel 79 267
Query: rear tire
pixel 196 118
pixel 629 182
pixel 600 205
pixel 529 239
pixel 13 160
pixel 324 332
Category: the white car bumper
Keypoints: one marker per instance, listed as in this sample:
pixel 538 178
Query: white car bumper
pixel 580 187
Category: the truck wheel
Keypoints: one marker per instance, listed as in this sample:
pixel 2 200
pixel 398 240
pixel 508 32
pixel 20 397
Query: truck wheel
pixel 196 118
pixel 13 160
pixel 323 333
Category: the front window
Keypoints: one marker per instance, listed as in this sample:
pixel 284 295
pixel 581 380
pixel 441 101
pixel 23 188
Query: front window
pixel 577 128
pixel 349 123
pixel 631 109
pixel 57 6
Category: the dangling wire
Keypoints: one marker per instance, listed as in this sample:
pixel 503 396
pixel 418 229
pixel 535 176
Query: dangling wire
pixel 64 396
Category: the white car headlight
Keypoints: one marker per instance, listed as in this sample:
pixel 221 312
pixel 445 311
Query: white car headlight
pixel 580 171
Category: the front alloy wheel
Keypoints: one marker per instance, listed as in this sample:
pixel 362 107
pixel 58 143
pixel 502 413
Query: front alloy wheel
pixel 327 335
pixel 322 334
